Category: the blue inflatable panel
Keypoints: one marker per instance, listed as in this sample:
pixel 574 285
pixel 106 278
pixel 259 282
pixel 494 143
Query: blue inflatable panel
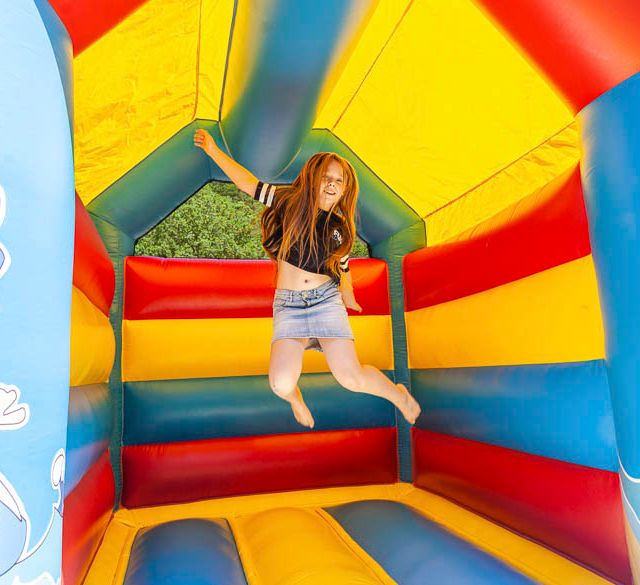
pixel 274 82
pixel 161 182
pixel 415 551
pixel 177 169
pixel 185 552
pixel 611 135
pixel 37 213
pixel 167 411
pixel 89 430
pixel 62 49
pixel 561 411
pixel 392 250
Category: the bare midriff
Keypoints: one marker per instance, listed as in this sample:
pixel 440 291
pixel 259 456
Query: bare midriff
pixel 293 278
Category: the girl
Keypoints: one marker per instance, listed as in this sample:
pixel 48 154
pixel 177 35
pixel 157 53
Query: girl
pixel 309 229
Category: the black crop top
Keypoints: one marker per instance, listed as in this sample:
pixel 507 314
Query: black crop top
pixel 266 194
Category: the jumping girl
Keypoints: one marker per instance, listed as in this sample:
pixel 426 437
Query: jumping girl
pixel 309 229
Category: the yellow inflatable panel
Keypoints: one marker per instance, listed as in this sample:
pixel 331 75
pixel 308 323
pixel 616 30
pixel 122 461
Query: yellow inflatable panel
pixel 93 344
pixel 165 349
pixel 109 565
pixel 550 317
pixel 243 51
pixel 387 16
pixel 214 42
pixel 522 178
pixel 302 527
pixel 254 504
pixel 315 553
pixel 448 103
pixel 134 88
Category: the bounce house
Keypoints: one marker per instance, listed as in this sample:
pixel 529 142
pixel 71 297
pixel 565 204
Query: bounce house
pixel 497 146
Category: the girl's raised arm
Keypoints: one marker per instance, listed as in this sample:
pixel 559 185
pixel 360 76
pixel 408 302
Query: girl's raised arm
pixel 242 178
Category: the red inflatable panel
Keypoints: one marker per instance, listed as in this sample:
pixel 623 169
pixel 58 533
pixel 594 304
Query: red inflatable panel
pixel 93 270
pixel 574 509
pixel 585 47
pixel 87 511
pixel 179 288
pixel 88 20
pixel 194 470
pixel 544 230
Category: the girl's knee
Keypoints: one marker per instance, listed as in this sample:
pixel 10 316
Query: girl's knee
pixel 351 379
pixel 282 386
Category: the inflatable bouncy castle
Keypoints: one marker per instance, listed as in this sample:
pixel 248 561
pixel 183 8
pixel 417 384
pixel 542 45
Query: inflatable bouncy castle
pixel 497 145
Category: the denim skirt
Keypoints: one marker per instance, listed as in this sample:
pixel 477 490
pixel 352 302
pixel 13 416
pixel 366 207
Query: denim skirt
pixel 313 313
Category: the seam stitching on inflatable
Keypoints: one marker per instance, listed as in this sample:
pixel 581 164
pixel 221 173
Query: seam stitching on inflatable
pixel 226 63
pixel 373 64
pixel 499 171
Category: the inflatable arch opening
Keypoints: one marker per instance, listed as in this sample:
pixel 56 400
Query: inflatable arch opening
pixel 496 145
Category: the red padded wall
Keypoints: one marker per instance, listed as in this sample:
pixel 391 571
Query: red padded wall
pixel 178 288
pixel 574 509
pixel 194 470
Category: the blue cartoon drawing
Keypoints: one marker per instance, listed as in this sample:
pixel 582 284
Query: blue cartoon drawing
pixel 15 525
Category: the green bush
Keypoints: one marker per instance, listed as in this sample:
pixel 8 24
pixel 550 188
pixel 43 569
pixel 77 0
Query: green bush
pixel 219 221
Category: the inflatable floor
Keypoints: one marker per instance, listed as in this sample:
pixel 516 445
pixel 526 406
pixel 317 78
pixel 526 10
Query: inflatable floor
pixel 497 151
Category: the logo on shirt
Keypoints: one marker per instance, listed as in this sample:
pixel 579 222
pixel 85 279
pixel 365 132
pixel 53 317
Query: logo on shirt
pixel 336 236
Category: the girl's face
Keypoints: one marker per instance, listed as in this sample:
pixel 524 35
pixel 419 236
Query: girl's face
pixel 331 186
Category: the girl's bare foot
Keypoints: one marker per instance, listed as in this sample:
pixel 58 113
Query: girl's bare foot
pixel 409 406
pixel 300 411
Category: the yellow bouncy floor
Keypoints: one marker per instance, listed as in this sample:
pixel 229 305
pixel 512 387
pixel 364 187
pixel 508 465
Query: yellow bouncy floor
pixel 298 525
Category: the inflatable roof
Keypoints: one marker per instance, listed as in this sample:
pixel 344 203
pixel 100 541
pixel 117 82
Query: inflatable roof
pixel 496 145
pixel 445 119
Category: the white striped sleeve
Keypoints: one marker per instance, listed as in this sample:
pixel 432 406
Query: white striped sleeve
pixel 344 263
pixel 265 192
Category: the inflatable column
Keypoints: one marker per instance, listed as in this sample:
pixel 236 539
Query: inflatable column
pixel 36 259
pixel 590 51
pixel 275 84
pixel 611 178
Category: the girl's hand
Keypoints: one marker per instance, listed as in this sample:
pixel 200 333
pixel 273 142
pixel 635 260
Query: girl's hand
pixel 350 302
pixel 202 139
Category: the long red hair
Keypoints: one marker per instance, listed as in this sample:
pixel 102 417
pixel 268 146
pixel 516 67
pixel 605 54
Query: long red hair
pixel 296 207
